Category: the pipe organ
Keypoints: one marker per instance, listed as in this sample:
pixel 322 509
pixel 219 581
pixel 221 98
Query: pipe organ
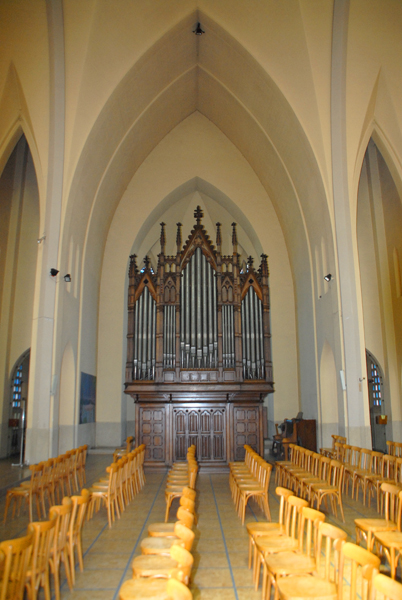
pixel 198 350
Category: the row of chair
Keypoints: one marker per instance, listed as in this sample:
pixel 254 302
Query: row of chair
pixel 250 479
pixel 180 475
pixel 163 569
pixel 124 480
pixel 305 557
pixel 393 448
pixel 313 476
pixel 123 450
pixel 385 531
pixel 50 481
pixel 25 562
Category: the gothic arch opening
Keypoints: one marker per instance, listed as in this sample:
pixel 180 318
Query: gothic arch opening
pixel 19 231
pixel 379 223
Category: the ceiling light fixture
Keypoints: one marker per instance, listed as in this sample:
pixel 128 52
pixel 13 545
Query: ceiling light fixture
pixel 328 277
pixel 67 278
pixel 53 272
pixel 198 30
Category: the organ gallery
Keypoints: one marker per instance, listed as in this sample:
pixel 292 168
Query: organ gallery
pixel 199 349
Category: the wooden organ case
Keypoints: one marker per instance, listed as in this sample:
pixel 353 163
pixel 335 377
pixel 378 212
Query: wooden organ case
pixel 199 350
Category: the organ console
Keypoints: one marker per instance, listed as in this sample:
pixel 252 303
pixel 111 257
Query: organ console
pixel 198 350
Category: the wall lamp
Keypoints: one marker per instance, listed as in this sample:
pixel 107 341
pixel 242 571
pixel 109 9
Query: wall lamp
pixel 53 272
pixel 67 278
pixel 328 277
pixel 41 239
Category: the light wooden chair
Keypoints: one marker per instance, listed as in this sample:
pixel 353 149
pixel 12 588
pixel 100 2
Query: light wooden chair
pixel 350 466
pixel 15 555
pixel 74 535
pixel 367 528
pixel 178 565
pixel 184 516
pixel 320 478
pixel 175 491
pixel 328 583
pixel 257 490
pixel 59 547
pixel 390 589
pixel 28 492
pixel 361 564
pixel 312 473
pixel 390 447
pixel 161 545
pixel 376 472
pixel 302 561
pixel 126 449
pixel 387 475
pixel 142 589
pixel 37 574
pixel 398 449
pixel 391 541
pixel 359 473
pixel 106 494
pixel 271 544
pixel 332 489
pixel 259 528
pixel 294 452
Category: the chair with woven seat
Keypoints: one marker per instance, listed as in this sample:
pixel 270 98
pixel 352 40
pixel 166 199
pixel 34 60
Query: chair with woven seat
pixel 37 574
pixel 161 589
pixel 178 565
pixel 367 528
pixel 14 560
pixel 299 562
pixel 74 535
pixel 59 547
pixel 350 466
pixel 391 541
pixel 161 545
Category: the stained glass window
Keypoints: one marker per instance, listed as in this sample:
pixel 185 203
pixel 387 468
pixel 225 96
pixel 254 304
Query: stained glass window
pixel 17 384
pixel 375 385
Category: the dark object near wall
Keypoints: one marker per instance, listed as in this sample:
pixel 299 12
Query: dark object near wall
pixel 198 350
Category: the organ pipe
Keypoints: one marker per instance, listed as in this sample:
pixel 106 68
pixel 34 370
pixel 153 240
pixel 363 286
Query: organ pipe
pixel 252 336
pixel 208 282
pixel 144 337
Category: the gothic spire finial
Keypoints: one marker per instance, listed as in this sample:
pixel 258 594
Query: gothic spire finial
pixel 264 265
pixel 133 270
pixel 178 236
pixel 198 214
pixel 162 238
pixel 234 235
pixel 218 236
pixel 147 262
pixel 250 261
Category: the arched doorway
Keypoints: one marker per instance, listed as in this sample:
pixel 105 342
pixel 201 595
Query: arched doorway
pixel 18 407
pixel 376 402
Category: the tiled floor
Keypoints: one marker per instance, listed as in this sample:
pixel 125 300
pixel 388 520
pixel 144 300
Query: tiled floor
pixel 220 548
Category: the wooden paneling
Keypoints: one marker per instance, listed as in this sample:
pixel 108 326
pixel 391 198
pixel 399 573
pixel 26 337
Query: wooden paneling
pixel 203 426
pixel 246 429
pixel 152 431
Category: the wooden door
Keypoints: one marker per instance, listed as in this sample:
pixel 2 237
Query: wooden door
pixel 203 426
